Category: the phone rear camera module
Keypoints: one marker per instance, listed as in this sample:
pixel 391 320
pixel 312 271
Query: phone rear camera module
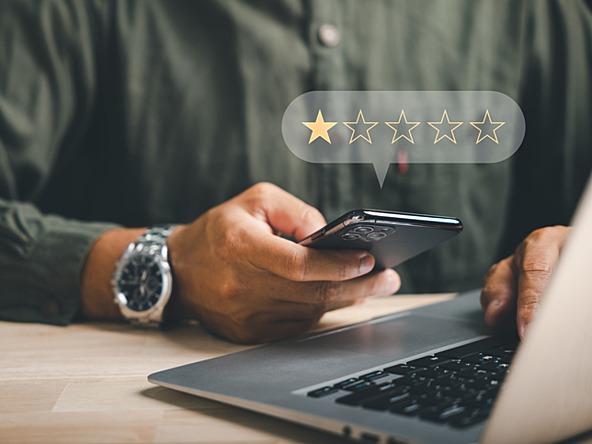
pixel 363 229
pixel 376 236
pixel 387 230
pixel 350 236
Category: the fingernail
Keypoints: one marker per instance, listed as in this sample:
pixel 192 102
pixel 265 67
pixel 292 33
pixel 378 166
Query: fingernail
pixel 492 305
pixel 392 282
pixel 521 328
pixel 366 264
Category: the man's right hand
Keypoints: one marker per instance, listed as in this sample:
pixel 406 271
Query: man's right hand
pixel 241 280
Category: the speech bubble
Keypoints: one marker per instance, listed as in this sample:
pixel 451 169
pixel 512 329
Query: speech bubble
pixel 385 127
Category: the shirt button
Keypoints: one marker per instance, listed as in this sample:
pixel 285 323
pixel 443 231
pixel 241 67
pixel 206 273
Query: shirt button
pixel 329 35
pixel 51 308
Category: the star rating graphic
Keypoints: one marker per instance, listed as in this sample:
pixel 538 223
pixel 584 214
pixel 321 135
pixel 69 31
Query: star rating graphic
pixel 403 129
pixel 319 128
pixel 448 132
pixel 489 124
pixel 404 133
pixel 357 133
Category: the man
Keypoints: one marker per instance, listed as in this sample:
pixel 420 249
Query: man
pixel 144 112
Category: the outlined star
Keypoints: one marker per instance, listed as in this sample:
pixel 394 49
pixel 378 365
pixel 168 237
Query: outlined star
pixel 319 128
pixel 490 124
pixel 406 134
pixel 357 123
pixel 451 127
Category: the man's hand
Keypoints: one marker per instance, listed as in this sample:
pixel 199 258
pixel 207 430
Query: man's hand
pixel 513 286
pixel 240 279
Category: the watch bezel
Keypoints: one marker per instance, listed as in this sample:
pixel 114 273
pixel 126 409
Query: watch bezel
pixel 153 313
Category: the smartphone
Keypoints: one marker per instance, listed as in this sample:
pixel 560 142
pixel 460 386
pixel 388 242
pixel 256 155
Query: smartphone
pixel 391 237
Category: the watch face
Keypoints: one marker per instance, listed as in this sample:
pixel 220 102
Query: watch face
pixel 141 282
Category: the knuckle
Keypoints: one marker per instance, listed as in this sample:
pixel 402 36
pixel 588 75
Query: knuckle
pixel 326 292
pixel 492 270
pixel 311 213
pixel 543 234
pixel 537 265
pixel 230 290
pixel 296 265
pixel 262 190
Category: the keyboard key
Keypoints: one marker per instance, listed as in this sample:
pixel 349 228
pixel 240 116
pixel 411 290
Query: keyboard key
pixel 461 390
pixel 443 414
pixel 401 369
pixel 492 366
pixel 436 372
pixel 342 384
pixel 385 401
pixel 378 374
pixel 485 384
pixel 437 398
pixel 428 361
pixel 408 381
pixel 471 419
pixel 421 387
pixel 456 365
pixel 472 373
pixel 469 349
pixel 357 385
pixel 501 354
pixel 410 407
pixel 478 400
pixel 361 396
pixel 319 393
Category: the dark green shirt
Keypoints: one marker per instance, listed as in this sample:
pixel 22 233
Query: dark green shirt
pixel 143 112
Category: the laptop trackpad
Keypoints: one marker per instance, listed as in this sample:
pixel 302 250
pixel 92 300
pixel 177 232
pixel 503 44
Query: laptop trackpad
pixel 401 336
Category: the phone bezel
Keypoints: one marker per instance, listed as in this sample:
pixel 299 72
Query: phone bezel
pixel 371 216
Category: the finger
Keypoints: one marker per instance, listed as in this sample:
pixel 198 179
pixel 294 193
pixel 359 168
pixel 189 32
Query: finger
pixel 498 297
pixel 284 212
pixel 534 261
pixel 329 295
pixel 298 263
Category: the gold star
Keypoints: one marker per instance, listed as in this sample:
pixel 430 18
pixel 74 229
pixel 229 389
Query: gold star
pixel 352 126
pixel 319 128
pixel 452 126
pixel 404 134
pixel 489 123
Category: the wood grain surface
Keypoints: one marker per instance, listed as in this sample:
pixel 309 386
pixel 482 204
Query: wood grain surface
pixel 86 383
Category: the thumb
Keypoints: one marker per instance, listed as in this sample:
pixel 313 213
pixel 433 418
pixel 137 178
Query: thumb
pixel 284 212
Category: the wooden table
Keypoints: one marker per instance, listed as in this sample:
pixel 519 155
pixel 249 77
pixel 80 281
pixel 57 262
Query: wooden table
pixel 86 383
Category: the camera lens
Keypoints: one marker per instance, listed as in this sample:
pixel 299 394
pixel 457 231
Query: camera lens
pixel 387 230
pixel 363 229
pixel 376 236
pixel 350 236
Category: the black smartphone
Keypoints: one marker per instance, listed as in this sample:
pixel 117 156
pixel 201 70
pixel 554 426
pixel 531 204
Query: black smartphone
pixel 391 237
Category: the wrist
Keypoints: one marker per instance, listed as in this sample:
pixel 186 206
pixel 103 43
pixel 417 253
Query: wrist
pixel 176 309
pixel 96 291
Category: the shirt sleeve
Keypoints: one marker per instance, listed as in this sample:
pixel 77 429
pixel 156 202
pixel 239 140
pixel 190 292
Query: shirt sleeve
pixel 46 101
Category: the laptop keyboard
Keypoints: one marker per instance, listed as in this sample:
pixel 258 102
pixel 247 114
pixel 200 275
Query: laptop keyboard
pixel 455 387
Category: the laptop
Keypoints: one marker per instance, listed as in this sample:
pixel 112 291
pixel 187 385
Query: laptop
pixel 435 374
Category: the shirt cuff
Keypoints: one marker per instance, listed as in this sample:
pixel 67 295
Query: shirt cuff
pixel 50 290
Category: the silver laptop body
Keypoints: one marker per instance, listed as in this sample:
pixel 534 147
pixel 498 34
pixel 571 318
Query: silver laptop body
pixel 546 396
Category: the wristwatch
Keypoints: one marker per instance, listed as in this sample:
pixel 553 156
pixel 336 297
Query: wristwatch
pixel 142 282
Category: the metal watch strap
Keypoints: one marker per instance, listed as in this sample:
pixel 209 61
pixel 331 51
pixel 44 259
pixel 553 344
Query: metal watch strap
pixel 154 239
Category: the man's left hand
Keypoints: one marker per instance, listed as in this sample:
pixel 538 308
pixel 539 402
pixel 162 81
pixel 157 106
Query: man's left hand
pixel 514 286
